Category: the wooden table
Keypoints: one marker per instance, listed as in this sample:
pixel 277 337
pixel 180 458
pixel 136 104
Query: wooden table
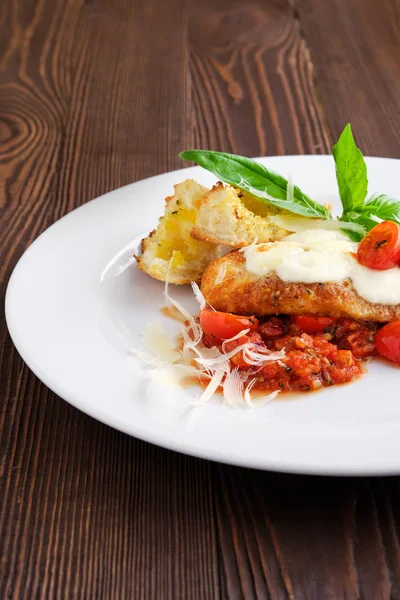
pixel 95 94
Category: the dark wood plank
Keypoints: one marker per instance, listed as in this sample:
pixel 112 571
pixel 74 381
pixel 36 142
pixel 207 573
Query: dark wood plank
pixel 355 49
pixel 252 79
pixel 93 95
pixel 281 537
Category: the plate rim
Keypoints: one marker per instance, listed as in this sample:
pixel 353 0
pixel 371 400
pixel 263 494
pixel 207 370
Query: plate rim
pixel 162 440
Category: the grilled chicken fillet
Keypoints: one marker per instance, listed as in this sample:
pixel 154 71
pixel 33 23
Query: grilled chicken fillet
pixel 240 292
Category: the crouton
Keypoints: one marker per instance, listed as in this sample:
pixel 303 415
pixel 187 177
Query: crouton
pixel 170 249
pixel 229 216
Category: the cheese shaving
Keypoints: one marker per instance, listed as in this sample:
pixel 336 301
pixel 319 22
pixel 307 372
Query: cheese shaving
pixel 254 355
pixel 264 399
pixel 210 389
pixel 172 366
pixel 220 275
pixel 233 389
pixel 157 341
pixel 254 243
pixel 246 395
pixel 290 189
pixel 235 337
pixel 193 327
pixel 223 358
pixel 174 374
pixel 292 223
pixel 149 359
pixel 199 296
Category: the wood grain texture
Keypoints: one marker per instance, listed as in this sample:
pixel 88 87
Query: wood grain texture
pixel 355 49
pixel 252 79
pixel 94 95
pixel 87 512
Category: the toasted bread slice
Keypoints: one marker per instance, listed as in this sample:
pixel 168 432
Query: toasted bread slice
pixel 229 216
pixel 170 249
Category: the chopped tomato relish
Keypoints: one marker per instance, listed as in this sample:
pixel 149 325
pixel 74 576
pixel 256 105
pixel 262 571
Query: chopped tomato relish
pixel 311 361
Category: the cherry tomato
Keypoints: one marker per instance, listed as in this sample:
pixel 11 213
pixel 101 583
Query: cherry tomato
pixel 220 326
pixel 312 325
pixel 387 341
pixel 380 249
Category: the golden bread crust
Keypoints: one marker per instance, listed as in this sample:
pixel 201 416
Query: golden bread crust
pixel 170 250
pixel 228 216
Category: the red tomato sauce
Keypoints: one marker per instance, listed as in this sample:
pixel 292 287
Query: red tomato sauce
pixel 311 361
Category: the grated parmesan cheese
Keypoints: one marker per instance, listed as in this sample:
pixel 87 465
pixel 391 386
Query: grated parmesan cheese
pixel 172 366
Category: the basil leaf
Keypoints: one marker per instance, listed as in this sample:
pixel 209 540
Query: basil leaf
pixel 353 235
pixel 377 209
pixel 254 178
pixel 385 208
pixel 360 219
pixel 351 171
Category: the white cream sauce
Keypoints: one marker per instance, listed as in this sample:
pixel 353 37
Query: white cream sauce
pixel 322 256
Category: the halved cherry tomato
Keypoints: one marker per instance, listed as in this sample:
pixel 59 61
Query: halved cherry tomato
pixel 380 249
pixel 220 326
pixel 312 325
pixel 387 341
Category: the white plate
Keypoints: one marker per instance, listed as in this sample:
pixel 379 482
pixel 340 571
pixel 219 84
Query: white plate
pixel 73 312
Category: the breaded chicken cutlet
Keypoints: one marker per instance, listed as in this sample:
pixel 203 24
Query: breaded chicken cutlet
pixel 240 292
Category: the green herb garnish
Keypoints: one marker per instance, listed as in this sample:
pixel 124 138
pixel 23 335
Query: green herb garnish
pixel 351 174
pixel 252 177
pixel 351 171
